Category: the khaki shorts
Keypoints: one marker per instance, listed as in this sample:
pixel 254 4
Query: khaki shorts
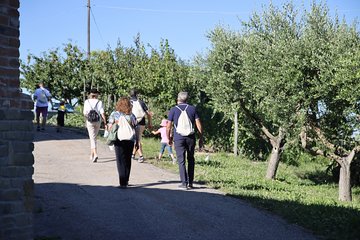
pixel 139 132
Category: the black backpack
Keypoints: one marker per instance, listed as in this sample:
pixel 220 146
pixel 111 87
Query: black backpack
pixel 93 115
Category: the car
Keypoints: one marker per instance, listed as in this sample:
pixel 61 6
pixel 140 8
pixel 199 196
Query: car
pixel 68 107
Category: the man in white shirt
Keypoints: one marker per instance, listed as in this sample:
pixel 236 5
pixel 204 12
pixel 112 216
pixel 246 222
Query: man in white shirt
pixel 42 97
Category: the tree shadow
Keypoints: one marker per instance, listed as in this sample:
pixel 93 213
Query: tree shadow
pixel 148 211
pixel 50 133
pixel 319 177
pixel 319 218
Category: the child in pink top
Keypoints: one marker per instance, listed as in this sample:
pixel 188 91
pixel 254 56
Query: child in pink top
pixel 164 141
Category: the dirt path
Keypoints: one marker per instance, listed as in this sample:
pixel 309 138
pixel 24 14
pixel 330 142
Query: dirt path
pixel 78 199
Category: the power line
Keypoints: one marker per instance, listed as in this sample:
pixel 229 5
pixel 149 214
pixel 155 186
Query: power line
pixel 97 27
pixel 173 11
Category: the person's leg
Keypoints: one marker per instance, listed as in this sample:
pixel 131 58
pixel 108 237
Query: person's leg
pixel 96 132
pixel 127 156
pixel 121 162
pixel 37 111
pixel 162 149
pixel 44 113
pixel 190 150
pixel 169 149
pixel 93 129
pixel 140 151
pixel 180 154
pixel 138 137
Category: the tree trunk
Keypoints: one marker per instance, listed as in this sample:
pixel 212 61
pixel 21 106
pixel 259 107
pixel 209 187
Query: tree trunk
pixel 344 181
pixel 273 163
pixel 275 155
pixel 236 133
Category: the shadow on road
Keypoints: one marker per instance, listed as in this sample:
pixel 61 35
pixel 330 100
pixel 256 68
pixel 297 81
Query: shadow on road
pixel 67 133
pixel 71 211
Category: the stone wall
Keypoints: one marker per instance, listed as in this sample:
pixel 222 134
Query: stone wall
pixel 16 134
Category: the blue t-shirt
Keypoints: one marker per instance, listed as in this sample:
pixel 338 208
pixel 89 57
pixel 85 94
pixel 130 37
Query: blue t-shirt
pixel 174 115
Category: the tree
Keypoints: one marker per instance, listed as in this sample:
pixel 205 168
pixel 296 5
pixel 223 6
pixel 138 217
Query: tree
pixel 61 74
pixel 331 78
pixel 255 73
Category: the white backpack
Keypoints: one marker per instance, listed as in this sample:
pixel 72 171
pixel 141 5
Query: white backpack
pixel 184 126
pixel 125 131
pixel 137 110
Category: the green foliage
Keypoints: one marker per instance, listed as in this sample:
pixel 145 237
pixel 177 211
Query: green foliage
pixel 61 74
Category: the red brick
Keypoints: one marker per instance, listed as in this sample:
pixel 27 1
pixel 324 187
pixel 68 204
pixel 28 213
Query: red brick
pixel 14 3
pixel 4 41
pixel 4 61
pixel 4 20
pixel 10 52
pixel 14 42
pixel 8 72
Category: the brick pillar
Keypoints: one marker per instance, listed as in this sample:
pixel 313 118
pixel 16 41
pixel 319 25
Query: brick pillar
pixel 16 134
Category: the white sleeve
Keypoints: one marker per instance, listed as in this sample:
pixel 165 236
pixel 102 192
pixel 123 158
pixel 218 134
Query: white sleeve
pixel 100 107
pixel 86 107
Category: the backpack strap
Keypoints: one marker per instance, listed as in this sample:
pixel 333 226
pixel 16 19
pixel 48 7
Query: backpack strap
pixel 92 108
pixel 177 106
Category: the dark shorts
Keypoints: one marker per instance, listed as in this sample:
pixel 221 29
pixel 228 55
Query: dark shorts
pixel 42 110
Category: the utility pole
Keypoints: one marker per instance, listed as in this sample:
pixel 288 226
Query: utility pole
pixel 88 44
pixel 88 30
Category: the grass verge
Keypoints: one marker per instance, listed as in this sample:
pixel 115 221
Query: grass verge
pixel 300 194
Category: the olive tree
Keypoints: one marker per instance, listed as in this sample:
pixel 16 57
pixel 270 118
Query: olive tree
pixel 331 69
pixel 254 72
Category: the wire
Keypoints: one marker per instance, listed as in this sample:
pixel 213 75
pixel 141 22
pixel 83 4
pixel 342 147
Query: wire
pixel 172 11
pixel 97 27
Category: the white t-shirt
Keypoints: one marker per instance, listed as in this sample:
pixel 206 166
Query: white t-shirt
pixel 90 104
pixel 41 95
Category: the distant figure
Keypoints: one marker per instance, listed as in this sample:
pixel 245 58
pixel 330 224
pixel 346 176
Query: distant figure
pixel 123 148
pixel 184 117
pixel 164 141
pixel 140 110
pixel 42 97
pixel 93 109
pixel 60 119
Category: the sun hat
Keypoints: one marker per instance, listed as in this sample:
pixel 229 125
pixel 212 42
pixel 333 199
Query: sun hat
pixel 163 123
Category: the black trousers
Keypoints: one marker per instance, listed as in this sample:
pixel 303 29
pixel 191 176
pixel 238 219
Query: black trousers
pixel 185 149
pixel 123 151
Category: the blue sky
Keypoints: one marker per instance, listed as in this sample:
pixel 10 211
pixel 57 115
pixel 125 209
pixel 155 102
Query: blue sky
pixel 47 24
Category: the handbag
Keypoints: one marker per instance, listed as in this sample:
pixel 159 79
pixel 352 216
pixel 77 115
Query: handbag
pixel 112 137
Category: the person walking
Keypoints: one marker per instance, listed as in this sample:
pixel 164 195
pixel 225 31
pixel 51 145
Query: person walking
pixel 164 141
pixel 184 117
pixel 93 109
pixel 123 148
pixel 60 119
pixel 42 97
pixel 140 110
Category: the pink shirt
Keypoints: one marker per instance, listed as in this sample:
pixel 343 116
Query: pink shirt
pixel 164 138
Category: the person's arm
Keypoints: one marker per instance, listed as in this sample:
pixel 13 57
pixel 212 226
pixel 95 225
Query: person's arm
pixel 155 132
pixel 149 118
pixel 200 132
pixel 104 118
pixel 85 110
pixel 168 131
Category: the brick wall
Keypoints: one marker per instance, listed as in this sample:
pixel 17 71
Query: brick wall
pixel 16 134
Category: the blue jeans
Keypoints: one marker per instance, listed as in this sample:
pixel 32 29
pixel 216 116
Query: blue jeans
pixel 185 149
pixel 168 148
